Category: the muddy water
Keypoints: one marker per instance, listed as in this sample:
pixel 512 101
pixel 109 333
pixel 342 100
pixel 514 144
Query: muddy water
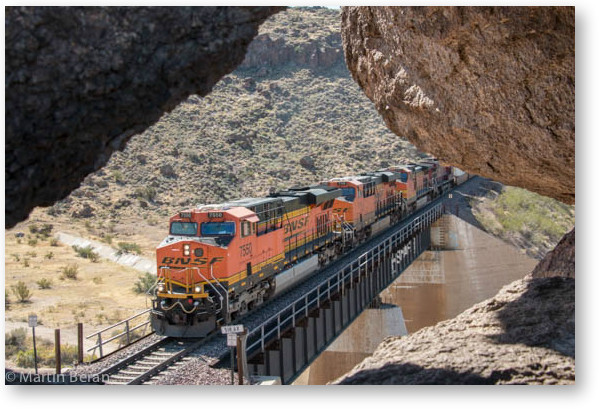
pixel 439 285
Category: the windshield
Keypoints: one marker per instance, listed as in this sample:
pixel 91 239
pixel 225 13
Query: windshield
pixel 217 228
pixel 403 177
pixel 348 194
pixel 184 228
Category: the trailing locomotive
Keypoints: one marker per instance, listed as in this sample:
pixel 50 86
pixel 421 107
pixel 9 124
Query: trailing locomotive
pixel 220 261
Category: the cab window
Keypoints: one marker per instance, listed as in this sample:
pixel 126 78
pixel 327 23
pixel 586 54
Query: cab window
pixel 184 228
pixel 246 229
pixel 217 228
pixel 348 194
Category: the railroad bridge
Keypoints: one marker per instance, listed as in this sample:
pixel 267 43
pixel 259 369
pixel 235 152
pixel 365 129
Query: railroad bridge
pixel 286 344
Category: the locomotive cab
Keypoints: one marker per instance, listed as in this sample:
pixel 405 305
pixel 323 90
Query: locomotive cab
pixel 197 274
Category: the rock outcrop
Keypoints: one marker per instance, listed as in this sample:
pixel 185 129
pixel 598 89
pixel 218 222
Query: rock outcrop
pixel 523 335
pixel 560 261
pixel 306 37
pixel 488 89
pixel 80 81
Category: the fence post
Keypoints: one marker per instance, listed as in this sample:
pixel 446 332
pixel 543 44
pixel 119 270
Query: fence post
pixel 127 331
pixel 80 343
pixel 100 344
pixel 57 350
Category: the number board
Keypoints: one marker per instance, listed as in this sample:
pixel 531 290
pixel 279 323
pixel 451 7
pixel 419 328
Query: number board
pixel 215 214
pixel 231 339
pixel 232 329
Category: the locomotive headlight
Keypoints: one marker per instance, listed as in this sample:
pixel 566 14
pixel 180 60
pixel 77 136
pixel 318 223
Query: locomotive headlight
pixel 198 289
pixel 186 250
pixel 161 287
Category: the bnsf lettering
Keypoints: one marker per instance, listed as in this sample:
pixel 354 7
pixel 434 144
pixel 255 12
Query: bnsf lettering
pixel 340 210
pixel 167 260
pixel 295 225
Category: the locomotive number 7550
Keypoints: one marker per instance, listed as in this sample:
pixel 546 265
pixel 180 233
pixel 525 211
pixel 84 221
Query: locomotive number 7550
pixel 246 250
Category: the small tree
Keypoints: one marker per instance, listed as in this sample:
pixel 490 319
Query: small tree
pixel 22 292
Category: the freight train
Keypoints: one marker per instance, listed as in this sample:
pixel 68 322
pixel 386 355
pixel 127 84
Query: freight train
pixel 221 261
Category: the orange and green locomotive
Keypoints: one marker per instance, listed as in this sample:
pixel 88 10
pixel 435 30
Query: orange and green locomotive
pixel 220 261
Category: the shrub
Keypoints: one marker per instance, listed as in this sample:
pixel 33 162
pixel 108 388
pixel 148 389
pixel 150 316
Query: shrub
pixel 32 241
pixel 26 262
pixel 54 242
pixel 22 292
pixel 144 283
pixel 147 193
pixel 45 230
pixel 49 255
pixel 126 247
pixel 44 283
pixel 6 299
pixel 33 228
pixel 14 342
pixel 97 280
pixel 118 176
pixel 45 356
pixel 108 238
pixel 70 271
pixel 86 253
pixel 16 257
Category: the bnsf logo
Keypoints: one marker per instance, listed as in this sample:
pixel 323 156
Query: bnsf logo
pixel 295 225
pixel 167 260
pixel 340 210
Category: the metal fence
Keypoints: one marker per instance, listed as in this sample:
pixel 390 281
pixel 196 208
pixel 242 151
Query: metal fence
pixel 111 339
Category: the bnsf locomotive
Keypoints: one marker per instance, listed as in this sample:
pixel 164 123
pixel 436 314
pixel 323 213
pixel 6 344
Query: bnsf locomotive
pixel 220 261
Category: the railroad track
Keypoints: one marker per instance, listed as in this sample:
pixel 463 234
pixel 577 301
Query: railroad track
pixel 149 362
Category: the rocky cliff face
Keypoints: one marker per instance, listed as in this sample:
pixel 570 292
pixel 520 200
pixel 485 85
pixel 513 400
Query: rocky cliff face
pixel 489 89
pixel 560 261
pixel 81 81
pixel 299 38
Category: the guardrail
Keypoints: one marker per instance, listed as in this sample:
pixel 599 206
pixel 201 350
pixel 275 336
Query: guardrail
pixel 129 335
pixel 287 317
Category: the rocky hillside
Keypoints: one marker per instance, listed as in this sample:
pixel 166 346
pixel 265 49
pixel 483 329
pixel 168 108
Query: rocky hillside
pixel 289 115
pixel 524 219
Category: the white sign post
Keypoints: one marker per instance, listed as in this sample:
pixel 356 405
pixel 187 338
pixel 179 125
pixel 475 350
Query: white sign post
pixel 32 324
pixel 232 332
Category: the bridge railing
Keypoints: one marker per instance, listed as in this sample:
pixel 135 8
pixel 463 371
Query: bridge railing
pixel 121 334
pixel 290 315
